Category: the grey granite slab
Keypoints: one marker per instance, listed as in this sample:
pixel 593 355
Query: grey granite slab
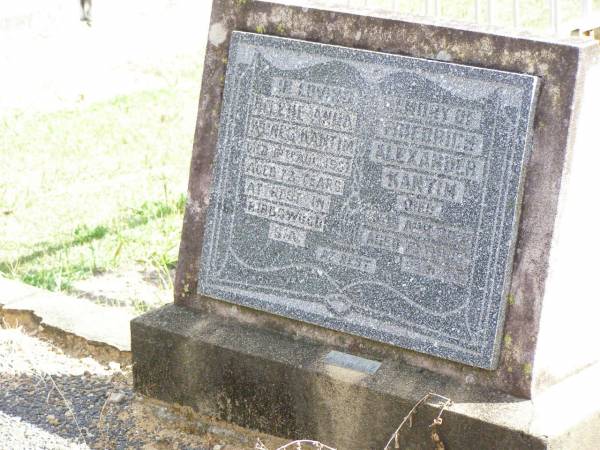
pixel 369 193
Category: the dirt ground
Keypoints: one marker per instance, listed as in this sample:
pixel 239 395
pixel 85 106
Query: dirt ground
pixel 50 400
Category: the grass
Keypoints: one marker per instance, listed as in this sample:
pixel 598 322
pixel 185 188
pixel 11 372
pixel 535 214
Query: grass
pixel 148 235
pixel 96 188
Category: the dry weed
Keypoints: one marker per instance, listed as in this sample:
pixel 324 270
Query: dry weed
pixel 408 419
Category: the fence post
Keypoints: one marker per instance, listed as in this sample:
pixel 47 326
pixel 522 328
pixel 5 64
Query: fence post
pixel 554 20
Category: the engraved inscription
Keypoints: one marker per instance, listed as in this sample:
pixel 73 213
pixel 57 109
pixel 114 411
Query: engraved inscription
pixel 437 232
pixel 306 113
pixel 289 195
pixel 300 157
pixel 323 93
pixel 284 214
pixel 421 184
pixel 424 267
pixel 289 235
pixel 433 112
pixel 382 240
pixel 345 259
pixel 302 136
pixel 419 207
pixel 294 176
pixel 449 139
pixel 300 143
pixel 427 160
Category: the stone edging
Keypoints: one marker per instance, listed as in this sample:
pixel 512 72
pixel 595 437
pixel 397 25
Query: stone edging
pixel 76 325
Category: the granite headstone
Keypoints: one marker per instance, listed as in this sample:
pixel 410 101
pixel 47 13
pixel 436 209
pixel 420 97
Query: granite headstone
pixel 369 193
pixel 410 171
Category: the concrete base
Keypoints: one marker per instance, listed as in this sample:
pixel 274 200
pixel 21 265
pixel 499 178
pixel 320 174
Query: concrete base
pixel 280 384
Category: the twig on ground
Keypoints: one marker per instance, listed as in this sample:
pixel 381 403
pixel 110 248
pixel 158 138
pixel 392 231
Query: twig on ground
pixel 408 418
pixel 101 416
pixel 43 377
pixel 69 408
pixel 295 445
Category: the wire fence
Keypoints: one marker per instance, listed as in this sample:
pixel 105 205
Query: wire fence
pixel 553 17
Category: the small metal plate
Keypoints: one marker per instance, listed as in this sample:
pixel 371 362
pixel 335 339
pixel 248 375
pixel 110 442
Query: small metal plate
pixel 352 362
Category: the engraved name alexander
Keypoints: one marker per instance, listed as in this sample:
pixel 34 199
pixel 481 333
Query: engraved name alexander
pixel 354 191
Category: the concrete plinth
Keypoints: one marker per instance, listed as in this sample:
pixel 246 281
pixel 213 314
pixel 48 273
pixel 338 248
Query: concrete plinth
pixel 280 384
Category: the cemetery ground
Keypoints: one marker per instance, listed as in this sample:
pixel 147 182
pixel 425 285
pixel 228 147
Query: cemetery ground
pixel 52 399
pixel 95 150
pixel 93 202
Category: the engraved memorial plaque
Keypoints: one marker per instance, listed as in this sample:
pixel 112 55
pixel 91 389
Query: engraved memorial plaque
pixel 369 193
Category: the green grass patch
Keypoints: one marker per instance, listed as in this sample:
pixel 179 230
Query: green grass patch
pixel 96 188
pixel 147 236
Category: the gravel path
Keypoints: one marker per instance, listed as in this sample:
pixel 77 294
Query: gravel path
pixel 51 401
pixel 15 433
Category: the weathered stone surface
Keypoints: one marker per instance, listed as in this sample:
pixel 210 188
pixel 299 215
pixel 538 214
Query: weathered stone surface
pixel 562 67
pixel 369 193
pixel 283 385
pixel 71 315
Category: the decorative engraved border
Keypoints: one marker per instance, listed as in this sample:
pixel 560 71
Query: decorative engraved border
pixel 473 351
